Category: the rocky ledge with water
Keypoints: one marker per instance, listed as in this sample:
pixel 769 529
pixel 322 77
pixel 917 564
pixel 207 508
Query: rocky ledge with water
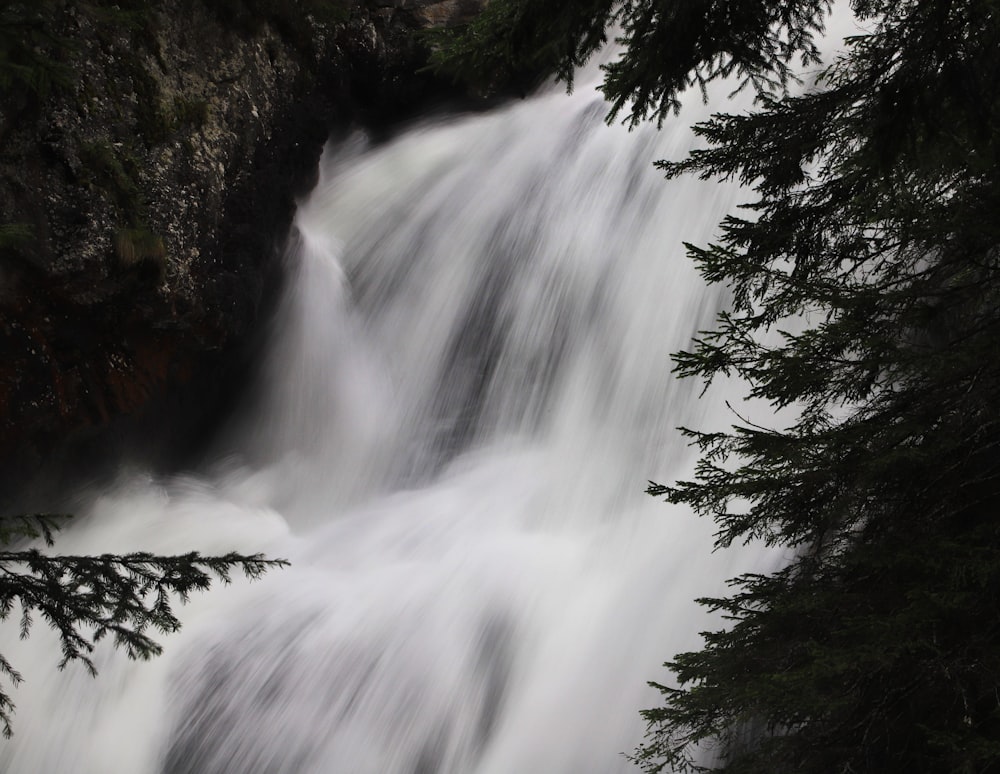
pixel 150 156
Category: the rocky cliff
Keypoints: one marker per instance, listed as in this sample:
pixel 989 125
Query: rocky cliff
pixel 150 155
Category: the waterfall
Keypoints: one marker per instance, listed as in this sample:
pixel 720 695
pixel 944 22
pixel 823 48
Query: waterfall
pixel 466 389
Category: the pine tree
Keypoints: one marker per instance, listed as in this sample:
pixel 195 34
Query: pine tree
pixel 875 223
pixel 86 599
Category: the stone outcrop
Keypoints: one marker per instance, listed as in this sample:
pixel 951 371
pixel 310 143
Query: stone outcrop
pixel 146 187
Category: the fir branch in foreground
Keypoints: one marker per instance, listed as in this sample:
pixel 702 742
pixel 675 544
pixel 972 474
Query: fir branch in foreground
pixel 127 597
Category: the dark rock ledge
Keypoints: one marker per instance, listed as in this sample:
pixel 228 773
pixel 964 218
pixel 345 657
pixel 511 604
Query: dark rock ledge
pixel 148 175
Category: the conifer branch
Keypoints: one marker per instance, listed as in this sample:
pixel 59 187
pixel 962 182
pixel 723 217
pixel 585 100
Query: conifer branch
pixel 127 599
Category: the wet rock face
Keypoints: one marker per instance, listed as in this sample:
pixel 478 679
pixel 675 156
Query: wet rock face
pixel 146 187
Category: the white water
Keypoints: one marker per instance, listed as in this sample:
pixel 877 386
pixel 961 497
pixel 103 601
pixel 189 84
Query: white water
pixel 469 385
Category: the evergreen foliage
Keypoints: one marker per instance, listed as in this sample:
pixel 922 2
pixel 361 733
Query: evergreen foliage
pixel 86 599
pixel 875 223
pixel 667 47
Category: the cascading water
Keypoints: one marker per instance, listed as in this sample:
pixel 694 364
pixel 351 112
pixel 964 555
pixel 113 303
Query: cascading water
pixel 468 387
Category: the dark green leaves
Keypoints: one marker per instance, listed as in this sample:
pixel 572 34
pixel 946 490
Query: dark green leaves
pixel 126 598
pixel 671 47
pixel 874 245
pixel 667 47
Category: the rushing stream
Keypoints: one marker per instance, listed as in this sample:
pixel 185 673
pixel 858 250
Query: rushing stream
pixel 467 388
